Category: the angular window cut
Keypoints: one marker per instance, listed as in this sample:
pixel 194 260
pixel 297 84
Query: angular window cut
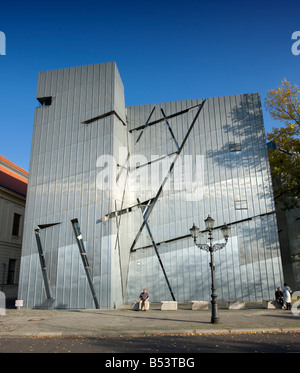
pixel 45 101
pixel 235 147
pixel 131 245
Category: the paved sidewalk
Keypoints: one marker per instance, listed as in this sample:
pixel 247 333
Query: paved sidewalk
pixel 125 322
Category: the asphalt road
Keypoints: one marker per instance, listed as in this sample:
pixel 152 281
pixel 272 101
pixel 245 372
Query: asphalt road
pixel 288 342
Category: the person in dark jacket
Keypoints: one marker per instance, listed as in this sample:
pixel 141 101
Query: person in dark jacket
pixel 279 296
pixel 143 300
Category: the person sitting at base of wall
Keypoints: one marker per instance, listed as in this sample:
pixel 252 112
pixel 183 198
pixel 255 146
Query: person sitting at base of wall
pixel 279 296
pixel 143 300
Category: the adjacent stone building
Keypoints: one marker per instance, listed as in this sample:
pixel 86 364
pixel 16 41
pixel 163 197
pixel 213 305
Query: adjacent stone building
pixel 13 189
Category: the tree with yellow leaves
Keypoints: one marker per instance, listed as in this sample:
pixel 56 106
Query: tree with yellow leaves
pixel 283 104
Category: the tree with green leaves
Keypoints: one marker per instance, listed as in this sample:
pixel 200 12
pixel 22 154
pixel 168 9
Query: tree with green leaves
pixel 283 104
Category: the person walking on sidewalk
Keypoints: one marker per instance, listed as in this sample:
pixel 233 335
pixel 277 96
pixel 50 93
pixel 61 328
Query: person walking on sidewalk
pixel 143 300
pixel 287 291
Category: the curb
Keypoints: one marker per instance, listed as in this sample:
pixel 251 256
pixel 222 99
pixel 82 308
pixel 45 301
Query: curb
pixel 145 333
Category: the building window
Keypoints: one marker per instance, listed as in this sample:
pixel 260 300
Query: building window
pixel 45 101
pixel 241 204
pixel 16 225
pixel 11 271
pixel 235 147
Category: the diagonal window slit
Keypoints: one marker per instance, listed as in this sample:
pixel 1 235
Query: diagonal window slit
pixel 140 135
pixel 113 214
pixel 163 119
pixel 170 129
pixel 200 107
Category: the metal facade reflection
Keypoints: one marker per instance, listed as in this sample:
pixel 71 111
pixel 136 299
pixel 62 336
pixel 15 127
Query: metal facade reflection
pixel 136 179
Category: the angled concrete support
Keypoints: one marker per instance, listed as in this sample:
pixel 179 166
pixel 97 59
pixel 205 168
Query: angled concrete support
pixel 84 258
pixel 43 265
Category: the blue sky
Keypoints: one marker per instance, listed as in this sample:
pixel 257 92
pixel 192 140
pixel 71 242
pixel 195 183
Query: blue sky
pixel 164 50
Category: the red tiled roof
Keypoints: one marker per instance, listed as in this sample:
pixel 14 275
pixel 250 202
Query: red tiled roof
pixel 13 177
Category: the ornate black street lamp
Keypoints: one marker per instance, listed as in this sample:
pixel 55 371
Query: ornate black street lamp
pixel 209 223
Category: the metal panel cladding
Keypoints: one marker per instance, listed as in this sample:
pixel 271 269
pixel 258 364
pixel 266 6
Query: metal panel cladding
pixel 71 130
pixel 223 171
pixel 136 179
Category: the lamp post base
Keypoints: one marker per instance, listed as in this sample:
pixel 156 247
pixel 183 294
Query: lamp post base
pixel 214 310
pixel 215 320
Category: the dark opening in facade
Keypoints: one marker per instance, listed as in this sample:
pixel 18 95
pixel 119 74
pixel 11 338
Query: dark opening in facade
pixel 45 101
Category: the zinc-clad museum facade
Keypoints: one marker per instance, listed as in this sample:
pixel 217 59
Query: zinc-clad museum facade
pixel 113 192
